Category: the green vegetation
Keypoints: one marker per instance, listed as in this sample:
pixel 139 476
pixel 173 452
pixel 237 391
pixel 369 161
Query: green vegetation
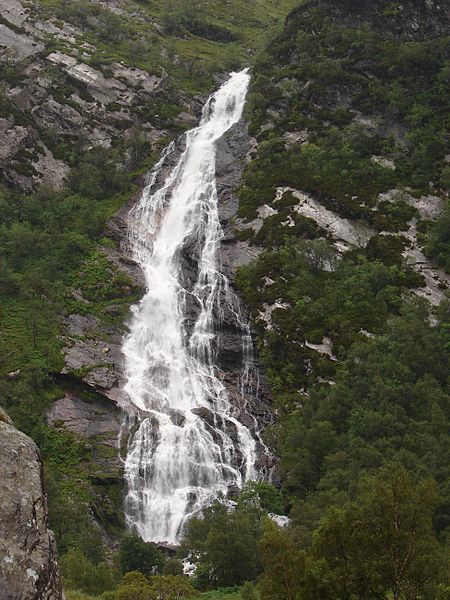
pixel 191 40
pixel 137 555
pixel 358 374
pixel 438 246
pixel 50 244
pixel 380 546
pixel 223 546
pixel 296 87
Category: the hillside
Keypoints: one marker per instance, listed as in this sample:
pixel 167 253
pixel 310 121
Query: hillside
pixel 346 199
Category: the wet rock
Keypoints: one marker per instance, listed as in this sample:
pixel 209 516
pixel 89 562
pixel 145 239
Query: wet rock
pixel 177 418
pixel 205 414
pixel 229 349
pixel 13 375
pixel 28 563
pixel 230 429
pixel 231 154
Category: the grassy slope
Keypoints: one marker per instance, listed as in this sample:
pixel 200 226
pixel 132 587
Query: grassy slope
pixel 189 59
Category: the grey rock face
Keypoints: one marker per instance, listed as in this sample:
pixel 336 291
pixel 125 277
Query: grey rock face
pixel 86 418
pixel 232 151
pixel 99 105
pixel 16 46
pixel 28 566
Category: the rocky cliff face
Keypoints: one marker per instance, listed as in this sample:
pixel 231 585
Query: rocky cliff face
pixel 53 98
pixel 406 20
pixel 28 565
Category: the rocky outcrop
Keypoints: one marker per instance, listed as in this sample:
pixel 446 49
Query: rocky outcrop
pixel 28 565
pixel 232 154
pixel 52 101
pixel 86 418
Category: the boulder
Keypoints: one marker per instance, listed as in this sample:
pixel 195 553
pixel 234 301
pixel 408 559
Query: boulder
pixel 28 565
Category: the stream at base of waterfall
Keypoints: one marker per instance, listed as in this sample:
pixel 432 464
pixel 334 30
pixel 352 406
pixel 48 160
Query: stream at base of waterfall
pixel 185 445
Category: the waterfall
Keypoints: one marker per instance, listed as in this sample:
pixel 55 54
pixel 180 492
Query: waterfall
pixel 185 447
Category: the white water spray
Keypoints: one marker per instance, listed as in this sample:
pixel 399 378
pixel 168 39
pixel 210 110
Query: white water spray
pixel 186 448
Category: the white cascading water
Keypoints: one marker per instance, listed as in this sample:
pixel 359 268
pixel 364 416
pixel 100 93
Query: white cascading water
pixel 185 448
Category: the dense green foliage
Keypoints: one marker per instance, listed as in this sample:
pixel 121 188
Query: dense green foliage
pixel 381 546
pixel 438 246
pixel 223 545
pixel 137 555
pixel 50 242
pixel 298 86
pixel 260 497
pixel 358 369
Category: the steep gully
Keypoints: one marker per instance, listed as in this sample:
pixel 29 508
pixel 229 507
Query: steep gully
pixel 190 437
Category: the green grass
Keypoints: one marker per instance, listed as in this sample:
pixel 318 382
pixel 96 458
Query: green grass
pixel 189 59
pixel 76 595
pixel 232 593
pixel 28 334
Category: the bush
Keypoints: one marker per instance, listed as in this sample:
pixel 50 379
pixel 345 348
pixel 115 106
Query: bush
pixel 224 546
pixel 99 175
pixel 78 573
pixel 261 496
pixel 137 555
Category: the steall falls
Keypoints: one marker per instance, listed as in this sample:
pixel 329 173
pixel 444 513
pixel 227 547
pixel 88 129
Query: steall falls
pixel 177 462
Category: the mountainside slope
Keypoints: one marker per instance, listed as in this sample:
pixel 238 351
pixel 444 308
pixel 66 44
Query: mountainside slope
pixel 339 229
pixel 346 201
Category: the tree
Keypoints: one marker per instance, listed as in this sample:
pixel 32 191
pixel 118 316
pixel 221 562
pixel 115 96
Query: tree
pixel 171 587
pixel 248 591
pixel 79 573
pixel 137 555
pixel 283 564
pixel 134 586
pixel 384 543
pixel 224 546
pixel 261 496
pixel 173 566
